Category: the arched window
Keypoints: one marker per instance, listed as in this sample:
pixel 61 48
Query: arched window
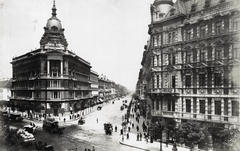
pixel 54 28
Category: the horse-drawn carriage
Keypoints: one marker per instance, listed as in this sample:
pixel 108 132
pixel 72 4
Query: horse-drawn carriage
pixel 108 128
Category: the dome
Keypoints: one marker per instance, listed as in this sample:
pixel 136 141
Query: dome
pixel 54 22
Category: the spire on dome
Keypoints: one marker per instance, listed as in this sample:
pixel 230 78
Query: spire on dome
pixel 54 10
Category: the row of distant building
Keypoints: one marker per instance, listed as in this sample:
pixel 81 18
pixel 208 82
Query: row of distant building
pixel 54 79
pixel 190 65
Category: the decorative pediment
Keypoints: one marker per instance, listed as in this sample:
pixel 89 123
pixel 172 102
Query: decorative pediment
pixel 219 63
pixel 188 48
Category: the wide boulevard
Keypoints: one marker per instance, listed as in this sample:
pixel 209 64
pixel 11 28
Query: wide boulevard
pixel 90 134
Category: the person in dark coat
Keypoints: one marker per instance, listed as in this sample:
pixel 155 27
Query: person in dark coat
pixel 140 136
pixel 137 137
pixel 137 128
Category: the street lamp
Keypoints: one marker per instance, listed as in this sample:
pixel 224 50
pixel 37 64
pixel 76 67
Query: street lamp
pixel 161 140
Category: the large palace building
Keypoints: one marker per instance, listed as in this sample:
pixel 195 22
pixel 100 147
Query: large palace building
pixel 191 64
pixel 51 78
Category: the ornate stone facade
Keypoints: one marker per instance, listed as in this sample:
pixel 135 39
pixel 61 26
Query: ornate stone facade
pixel 194 57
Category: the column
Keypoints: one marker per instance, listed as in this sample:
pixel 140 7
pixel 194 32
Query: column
pixel 191 107
pixel 32 94
pixel 206 109
pixel 212 107
pixel 229 108
pixel 61 69
pixel 184 106
pixel 197 106
pixel 48 68
pixel 222 110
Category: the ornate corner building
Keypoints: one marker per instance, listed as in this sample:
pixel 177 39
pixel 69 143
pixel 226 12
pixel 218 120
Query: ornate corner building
pixel 191 64
pixel 52 77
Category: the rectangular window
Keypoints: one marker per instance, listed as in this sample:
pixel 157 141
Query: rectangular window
pixel 170 59
pixel 225 107
pixel 173 59
pixel 218 53
pixel 202 106
pixel 202 31
pixel 218 27
pixel 209 106
pixel 169 105
pixel 157 60
pixel 173 82
pixel 236 23
pixel 153 40
pixel 217 107
pixel 157 81
pixel 173 37
pixel 235 108
pixel 188 106
pixel 236 51
pixel 217 79
pixel 188 80
pixel 202 56
pixel 201 80
pixel 169 38
pixel 194 105
pixel 188 57
pixel 188 34
pixel 153 81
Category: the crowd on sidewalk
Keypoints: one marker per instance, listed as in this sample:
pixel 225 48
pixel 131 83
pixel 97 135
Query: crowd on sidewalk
pixel 136 133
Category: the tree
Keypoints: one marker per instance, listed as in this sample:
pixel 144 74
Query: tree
pixel 224 138
pixel 191 131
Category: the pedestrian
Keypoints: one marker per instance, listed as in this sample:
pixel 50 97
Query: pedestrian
pixel 132 125
pixel 64 120
pixel 97 120
pixel 167 143
pixel 93 149
pixel 140 136
pixel 137 128
pixel 127 135
pixel 137 137
pixel 115 128
pixel 129 128
pixel 147 138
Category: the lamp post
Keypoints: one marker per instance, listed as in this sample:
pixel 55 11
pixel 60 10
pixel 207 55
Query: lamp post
pixel 161 142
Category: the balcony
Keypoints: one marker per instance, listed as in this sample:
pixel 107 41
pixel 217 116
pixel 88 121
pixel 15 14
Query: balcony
pixel 171 91
pixel 211 118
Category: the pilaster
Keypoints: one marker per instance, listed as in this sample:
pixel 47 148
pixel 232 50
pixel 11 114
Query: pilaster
pixel 48 68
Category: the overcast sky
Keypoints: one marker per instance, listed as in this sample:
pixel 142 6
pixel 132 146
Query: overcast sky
pixel 110 34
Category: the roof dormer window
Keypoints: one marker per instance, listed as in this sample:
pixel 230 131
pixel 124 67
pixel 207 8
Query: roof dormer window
pixel 172 12
pixel 207 3
pixel 193 7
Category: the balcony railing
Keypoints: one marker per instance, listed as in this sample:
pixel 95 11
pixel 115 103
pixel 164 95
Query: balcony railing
pixel 164 90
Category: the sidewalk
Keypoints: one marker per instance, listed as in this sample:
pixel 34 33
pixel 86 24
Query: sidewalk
pixel 68 121
pixel 144 145
pixel 147 146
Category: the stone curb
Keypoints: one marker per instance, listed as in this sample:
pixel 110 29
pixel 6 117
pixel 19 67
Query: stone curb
pixel 133 146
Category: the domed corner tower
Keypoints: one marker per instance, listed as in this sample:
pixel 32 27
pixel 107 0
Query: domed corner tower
pixel 53 37
pixel 159 9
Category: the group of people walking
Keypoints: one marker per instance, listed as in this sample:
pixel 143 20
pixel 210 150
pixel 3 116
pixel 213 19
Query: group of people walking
pixel 135 112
